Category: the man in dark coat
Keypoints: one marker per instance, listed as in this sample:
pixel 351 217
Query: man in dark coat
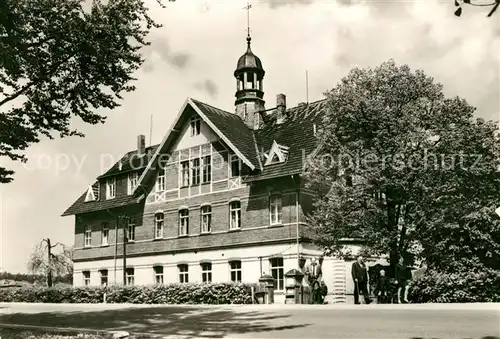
pixel 360 278
pixel 402 276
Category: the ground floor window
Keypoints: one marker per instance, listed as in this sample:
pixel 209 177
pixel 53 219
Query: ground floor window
pixel 129 274
pixel 235 269
pixel 206 272
pixel 183 273
pixel 104 277
pixel 277 273
pixel 86 278
pixel 158 274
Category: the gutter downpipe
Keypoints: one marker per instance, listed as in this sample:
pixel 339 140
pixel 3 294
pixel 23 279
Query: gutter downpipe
pixel 116 244
pixel 297 220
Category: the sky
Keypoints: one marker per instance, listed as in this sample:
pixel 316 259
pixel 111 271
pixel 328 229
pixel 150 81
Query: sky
pixel 194 55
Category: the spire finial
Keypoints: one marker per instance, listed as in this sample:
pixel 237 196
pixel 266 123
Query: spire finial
pixel 248 6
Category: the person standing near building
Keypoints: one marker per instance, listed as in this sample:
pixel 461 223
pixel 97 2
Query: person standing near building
pixel 383 288
pixel 402 276
pixel 360 277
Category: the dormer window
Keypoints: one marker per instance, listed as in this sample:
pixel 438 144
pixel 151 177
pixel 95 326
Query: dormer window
pixel 132 182
pixel 195 125
pixel 90 196
pixel 110 188
pixel 276 155
pixel 275 159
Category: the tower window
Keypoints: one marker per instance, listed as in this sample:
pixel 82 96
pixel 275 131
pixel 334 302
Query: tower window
pixel 195 125
pixel 250 81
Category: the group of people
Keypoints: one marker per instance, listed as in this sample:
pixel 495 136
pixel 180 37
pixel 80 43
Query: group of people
pixel 313 277
pixel 388 289
pixel 384 286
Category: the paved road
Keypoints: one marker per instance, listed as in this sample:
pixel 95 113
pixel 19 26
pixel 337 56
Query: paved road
pixel 269 321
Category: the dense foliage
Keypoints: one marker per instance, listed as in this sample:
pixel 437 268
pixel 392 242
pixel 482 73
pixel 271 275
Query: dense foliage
pixel 64 59
pixel 192 293
pixel 465 286
pixel 407 172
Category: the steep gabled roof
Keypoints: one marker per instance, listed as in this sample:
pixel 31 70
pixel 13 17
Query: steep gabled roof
pixel 80 206
pixel 130 162
pixel 297 133
pixel 231 126
pixel 223 123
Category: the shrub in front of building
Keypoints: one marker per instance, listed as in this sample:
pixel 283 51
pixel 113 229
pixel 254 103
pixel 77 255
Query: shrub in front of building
pixel 191 293
pixel 466 286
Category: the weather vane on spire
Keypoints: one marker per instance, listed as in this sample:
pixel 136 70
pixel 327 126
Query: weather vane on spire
pixel 248 6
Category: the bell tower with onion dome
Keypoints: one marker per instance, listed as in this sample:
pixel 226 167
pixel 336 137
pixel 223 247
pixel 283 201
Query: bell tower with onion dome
pixel 249 76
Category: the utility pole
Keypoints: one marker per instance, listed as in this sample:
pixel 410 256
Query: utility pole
pixel 49 268
pixel 116 247
pixel 125 251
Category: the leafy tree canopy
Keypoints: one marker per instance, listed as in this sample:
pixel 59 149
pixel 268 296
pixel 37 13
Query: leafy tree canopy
pixel 61 59
pixel 406 170
pixel 60 264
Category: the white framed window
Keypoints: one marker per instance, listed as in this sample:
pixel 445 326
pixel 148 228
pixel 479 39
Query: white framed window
pixel 184 173
pixel 86 278
pixel 105 234
pixel 206 219
pixel 234 215
pixel 235 163
pixel 207 169
pixel 183 221
pixel 131 229
pixel 129 276
pixel 195 125
pixel 275 209
pixel 278 274
pixel 132 182
pixel 206 272
pixel 87 242
pixel 195 171
pixel 159 219
pixel 158 274
pixel 235 270
pixel 183 273
pixel 160 180
pixel 104 277
pixel 110 188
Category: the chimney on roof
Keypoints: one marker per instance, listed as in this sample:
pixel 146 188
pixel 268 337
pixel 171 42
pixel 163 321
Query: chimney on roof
pixel 280 108
pixel 301 104
pixel 141 144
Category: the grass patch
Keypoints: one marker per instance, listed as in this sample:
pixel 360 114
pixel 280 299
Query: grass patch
pixel 14 333
pixel 20 333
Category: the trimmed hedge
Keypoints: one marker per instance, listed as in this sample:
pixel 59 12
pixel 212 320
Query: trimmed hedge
pixel 460 287
pixel 191 293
